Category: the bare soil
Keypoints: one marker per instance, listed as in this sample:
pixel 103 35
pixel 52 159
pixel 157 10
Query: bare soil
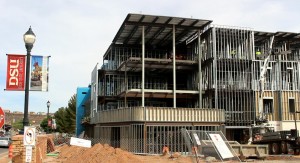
pixel 106 154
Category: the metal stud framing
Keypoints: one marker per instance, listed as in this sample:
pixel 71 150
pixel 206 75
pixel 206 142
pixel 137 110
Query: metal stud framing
pixel 185 63
pixel 227 55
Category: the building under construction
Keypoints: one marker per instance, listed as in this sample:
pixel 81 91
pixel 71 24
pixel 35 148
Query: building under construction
pixel 161 74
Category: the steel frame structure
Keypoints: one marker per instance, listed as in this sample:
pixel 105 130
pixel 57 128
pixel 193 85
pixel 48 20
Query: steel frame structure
pixel 197 74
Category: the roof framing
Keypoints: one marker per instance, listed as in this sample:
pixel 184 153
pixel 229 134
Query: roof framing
pixel 157 29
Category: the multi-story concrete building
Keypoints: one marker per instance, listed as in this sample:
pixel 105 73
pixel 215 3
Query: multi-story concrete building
pixel 161 74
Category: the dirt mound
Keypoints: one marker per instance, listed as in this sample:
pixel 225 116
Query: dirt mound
pixel 98 153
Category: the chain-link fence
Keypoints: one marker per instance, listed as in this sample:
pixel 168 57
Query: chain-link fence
pixel 157 141
pixel 137 146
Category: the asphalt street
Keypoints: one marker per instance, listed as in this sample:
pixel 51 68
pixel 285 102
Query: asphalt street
pixel 4 155
pixel 3 150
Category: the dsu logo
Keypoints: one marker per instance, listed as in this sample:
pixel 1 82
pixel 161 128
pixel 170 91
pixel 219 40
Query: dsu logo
pixel 13 72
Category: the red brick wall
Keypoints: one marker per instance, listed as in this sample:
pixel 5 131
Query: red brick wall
pixel 38 151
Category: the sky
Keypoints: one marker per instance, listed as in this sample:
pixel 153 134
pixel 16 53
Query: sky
pixel 76 34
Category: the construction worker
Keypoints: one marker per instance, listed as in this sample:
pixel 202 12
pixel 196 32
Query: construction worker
pixel 233 53
pixel 257 53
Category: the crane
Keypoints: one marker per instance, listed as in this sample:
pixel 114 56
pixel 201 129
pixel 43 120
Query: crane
pixel 261 122
pixel 262 78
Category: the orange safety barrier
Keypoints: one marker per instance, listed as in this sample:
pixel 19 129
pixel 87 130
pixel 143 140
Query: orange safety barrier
pixel 10 151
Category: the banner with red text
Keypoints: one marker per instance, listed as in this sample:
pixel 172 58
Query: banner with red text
pixel 39 73
pixel 15 78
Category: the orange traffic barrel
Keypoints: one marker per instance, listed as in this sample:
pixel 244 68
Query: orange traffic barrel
pixel 10 151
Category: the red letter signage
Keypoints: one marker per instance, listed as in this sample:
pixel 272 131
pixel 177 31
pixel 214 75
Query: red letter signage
pixel 15 72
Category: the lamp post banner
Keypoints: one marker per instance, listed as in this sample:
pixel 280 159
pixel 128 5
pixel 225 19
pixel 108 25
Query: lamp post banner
pixel 15 78
pixel 39 73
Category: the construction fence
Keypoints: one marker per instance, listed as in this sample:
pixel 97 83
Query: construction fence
pixel 197 143
pixel 156 139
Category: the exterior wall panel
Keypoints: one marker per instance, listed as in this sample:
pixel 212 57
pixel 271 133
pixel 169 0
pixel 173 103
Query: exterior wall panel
pixel 152 114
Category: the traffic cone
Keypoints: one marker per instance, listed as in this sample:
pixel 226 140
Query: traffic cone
pixel 10 151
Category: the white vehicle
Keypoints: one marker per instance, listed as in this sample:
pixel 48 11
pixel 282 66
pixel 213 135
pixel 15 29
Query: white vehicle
pixel 5 141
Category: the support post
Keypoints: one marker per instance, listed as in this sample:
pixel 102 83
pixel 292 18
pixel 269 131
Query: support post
pixel 126 85
pixel 200 70
pixel 174 68
pixel 143 66
pixel 215 67
pixel 295 119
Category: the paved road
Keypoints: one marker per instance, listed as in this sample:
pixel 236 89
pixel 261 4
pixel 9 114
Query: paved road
pixel 4 155
pixel 3 150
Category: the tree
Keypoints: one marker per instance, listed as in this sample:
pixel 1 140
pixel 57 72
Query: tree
pixel 61 120
pixel 44 125
pixel 18 125
pixel 71 114
pixel 66 117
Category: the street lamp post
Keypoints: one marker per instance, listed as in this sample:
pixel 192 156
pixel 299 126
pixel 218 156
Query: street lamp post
pixel 48 106
pixel 29 39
